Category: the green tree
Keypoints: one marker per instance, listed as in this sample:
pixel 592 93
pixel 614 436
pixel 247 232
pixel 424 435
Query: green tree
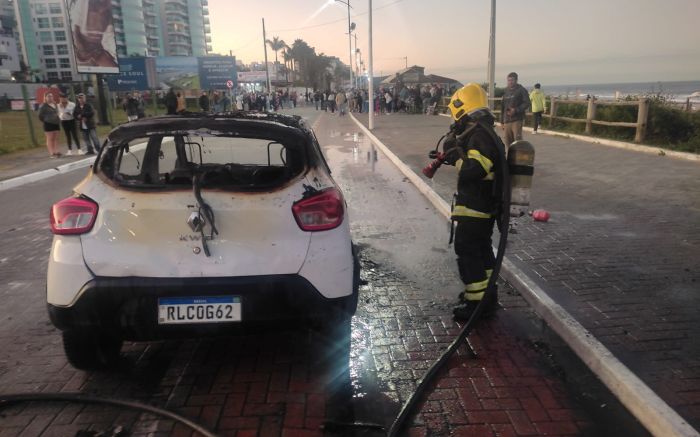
pixel 288 60
pixel 304 55
pixel 276 44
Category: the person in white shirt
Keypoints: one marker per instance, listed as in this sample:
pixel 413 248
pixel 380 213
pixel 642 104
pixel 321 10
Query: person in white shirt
pixel 65 113
pixel 389 102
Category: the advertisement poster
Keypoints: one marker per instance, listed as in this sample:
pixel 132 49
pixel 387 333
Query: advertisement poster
pixel 133 75
pixel 215 71
pixel 41 93
pixel 252 76
pixel 93 36
pixel 180 72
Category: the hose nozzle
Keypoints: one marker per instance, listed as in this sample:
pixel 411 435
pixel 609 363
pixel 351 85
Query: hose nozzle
pixel 438 159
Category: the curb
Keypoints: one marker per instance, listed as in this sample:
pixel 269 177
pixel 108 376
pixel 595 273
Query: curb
pixel 651 150
pixel 45 174
pixel 651 411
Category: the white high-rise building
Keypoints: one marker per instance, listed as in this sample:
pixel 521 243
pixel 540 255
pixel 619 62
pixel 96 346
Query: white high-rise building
pixel 162 27
pixel 45 39
pixel 9 55
pixel 141 28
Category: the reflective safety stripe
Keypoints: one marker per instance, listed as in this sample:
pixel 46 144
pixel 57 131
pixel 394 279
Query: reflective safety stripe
pixel 458 164
pixel 475 290
pixel 477 286
pixel 489 272
pixel 481 159
pixel 489 177
pixel 463 211
pixel 475 296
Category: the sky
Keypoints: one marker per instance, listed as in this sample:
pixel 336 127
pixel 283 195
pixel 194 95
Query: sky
pixel 548 41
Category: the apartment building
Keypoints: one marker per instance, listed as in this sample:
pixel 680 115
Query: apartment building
pixel 162 27
pixel 141 28
pixel 44 35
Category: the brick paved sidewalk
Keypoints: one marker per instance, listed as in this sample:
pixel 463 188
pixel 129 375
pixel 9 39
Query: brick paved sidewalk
pixel 288 382
pixel 25 162
pixel 620 252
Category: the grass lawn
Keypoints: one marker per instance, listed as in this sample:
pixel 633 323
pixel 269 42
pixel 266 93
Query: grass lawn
pixel 15 134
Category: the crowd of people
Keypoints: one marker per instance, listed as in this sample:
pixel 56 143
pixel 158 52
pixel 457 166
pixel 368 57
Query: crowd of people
pixel 413 99
pixel 72 117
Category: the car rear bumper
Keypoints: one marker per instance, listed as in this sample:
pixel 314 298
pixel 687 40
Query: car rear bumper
pixel 129 306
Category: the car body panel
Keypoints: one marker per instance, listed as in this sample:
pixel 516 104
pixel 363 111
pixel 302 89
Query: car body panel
pixel 146 234
pixel 329 261
pixel 67 272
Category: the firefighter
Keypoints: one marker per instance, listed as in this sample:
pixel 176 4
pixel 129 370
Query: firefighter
pixel 473 147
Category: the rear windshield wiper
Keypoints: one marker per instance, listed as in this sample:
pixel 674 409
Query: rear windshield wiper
pixel 204 210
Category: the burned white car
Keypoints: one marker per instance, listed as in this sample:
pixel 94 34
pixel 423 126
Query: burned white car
pixel 191 224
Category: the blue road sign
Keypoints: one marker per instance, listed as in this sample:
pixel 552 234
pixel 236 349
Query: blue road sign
pixel 132 75
pixel 215 71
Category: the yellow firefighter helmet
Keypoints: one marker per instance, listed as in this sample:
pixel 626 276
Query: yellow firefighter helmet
pixel 468 100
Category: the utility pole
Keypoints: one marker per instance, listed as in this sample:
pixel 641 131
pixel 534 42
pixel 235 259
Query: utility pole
pixel 267 67
pixel 101 99
pixel 492 56
pixel 371 72
pixel 350 42
pixel 356 52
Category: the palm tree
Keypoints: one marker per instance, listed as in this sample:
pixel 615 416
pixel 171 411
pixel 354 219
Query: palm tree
pixel 276 44
pixel 288 60
pixel 303 54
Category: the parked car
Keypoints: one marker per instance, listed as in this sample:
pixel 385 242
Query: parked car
pixel 193 224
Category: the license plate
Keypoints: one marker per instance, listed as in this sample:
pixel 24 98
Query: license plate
pixel 181 310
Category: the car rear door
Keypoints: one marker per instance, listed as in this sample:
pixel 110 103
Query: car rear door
pixel 147 233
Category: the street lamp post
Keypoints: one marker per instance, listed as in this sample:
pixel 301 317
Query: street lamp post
pixel 370 75
pixel 492 56
pixel 349 38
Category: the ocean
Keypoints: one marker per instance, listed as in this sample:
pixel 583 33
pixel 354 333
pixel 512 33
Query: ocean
pixel 675 91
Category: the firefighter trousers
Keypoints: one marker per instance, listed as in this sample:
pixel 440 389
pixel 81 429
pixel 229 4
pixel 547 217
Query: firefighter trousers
pixel 475 257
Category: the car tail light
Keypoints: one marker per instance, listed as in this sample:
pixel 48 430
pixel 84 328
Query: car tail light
pixel 72 216
pixel 321 211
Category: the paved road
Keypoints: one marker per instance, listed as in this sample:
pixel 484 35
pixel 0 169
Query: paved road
pixel 284 383
pixel 620 252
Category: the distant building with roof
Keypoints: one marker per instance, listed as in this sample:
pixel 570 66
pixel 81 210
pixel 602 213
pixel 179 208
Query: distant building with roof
pixel 415 75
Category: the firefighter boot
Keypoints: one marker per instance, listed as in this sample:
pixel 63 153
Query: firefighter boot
pixel 464 310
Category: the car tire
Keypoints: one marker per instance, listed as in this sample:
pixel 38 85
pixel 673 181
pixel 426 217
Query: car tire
pixel 91 350
pixel 351 303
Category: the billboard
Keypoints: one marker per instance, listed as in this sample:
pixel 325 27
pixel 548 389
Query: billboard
pixel 215 71
pixel 252 76
pixel 133 75
pixel 93 36
pixel 180 72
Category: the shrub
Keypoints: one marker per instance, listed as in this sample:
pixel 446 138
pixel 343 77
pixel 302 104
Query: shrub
pixel 667 126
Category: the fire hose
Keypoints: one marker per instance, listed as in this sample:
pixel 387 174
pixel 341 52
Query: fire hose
pixel 9 399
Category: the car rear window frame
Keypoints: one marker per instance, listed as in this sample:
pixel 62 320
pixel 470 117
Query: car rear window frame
pixel 292 139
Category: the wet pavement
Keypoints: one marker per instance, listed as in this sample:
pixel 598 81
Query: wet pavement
pixel 290 381
pixel 620 252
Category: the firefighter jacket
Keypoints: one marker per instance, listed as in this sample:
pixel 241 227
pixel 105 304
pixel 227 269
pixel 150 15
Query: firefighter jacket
pixel 478 189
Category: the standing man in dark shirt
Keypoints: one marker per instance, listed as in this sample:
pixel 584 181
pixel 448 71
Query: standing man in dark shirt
pixel 85 114
pixel 515 102
pixel 204 102
pixel 171 102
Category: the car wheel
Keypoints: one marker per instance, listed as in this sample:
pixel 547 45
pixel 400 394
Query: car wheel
pixel 91 350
